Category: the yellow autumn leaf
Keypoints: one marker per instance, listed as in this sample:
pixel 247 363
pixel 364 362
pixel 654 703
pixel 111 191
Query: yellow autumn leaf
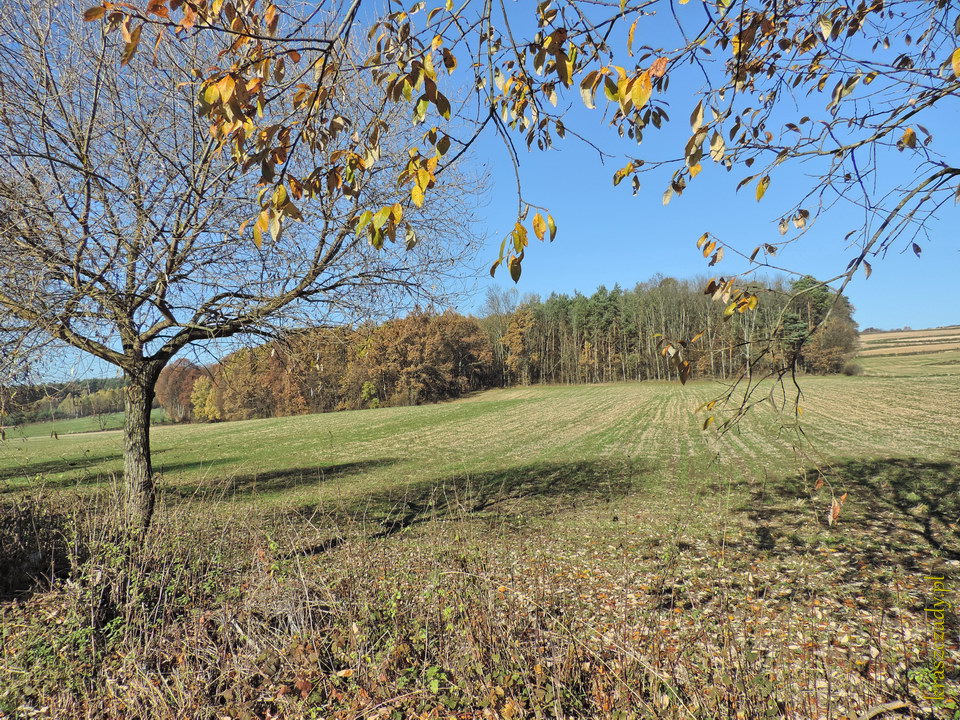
pixel 826 27
pixel 211 94
pixel 588 86
pixel 539 226
pixel 762 187
pixel 226 87
pixel 263 221
pixel 416 195
pixel 642 89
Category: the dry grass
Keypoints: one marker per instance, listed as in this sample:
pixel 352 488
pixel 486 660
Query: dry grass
pixel 910 341
pixel 930 333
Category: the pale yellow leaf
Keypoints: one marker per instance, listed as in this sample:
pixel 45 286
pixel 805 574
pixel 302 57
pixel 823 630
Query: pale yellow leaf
pixel 539 226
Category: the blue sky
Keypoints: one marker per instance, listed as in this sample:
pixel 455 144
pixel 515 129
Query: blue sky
pixel 606 236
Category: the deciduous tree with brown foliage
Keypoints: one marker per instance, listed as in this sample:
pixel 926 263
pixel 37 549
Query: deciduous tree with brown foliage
pixel 174 387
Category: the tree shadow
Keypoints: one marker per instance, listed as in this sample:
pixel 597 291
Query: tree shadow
pixel 79 471
pixel 29 471
pixel 537 489
pixel 272 481
pixel 898 511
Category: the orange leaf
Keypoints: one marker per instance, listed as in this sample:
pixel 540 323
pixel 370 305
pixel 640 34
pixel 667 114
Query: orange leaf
pixel 158 8
pixel 271 16
pixel 834 512
pixel 659 67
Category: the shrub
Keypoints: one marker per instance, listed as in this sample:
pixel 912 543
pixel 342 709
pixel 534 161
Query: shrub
pixel 852 369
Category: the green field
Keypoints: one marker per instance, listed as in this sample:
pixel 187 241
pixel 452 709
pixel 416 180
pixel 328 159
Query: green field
pixel 688 574
pixel 945 363
pixel 69 426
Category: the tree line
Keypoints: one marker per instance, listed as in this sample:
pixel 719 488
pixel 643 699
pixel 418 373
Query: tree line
pixel 27 403
pixel 609 336
pixel 424 357
pixel 616 335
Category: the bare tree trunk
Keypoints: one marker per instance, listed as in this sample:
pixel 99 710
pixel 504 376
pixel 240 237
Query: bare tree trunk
pixel 137 468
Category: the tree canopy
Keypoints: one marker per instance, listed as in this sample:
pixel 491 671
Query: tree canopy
pixel 841 87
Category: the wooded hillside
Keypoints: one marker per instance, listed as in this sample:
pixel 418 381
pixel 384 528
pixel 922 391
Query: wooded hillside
pixel 611 335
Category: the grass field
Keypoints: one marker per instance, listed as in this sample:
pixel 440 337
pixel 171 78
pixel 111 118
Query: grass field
pixel 905 342
pixel 69 426
pixel 533 552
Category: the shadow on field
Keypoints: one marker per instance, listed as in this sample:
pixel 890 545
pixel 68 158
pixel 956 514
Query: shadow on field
pixel 29 471
pixel 79 471
pixel 534 489
pixel 234 486
pixel 898 512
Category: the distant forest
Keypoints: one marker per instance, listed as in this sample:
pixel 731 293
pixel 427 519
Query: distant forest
pixel 24 404
pixel 611 335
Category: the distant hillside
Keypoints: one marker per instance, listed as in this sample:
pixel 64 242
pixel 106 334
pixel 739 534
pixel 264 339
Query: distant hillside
pixel 910 342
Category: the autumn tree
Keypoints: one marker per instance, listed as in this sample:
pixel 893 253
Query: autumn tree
pixel 423 357
pixel 317 361
pixel 205 399
pixel 258 383
pixel 130 191
pixel 174 387
pixel 519 357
